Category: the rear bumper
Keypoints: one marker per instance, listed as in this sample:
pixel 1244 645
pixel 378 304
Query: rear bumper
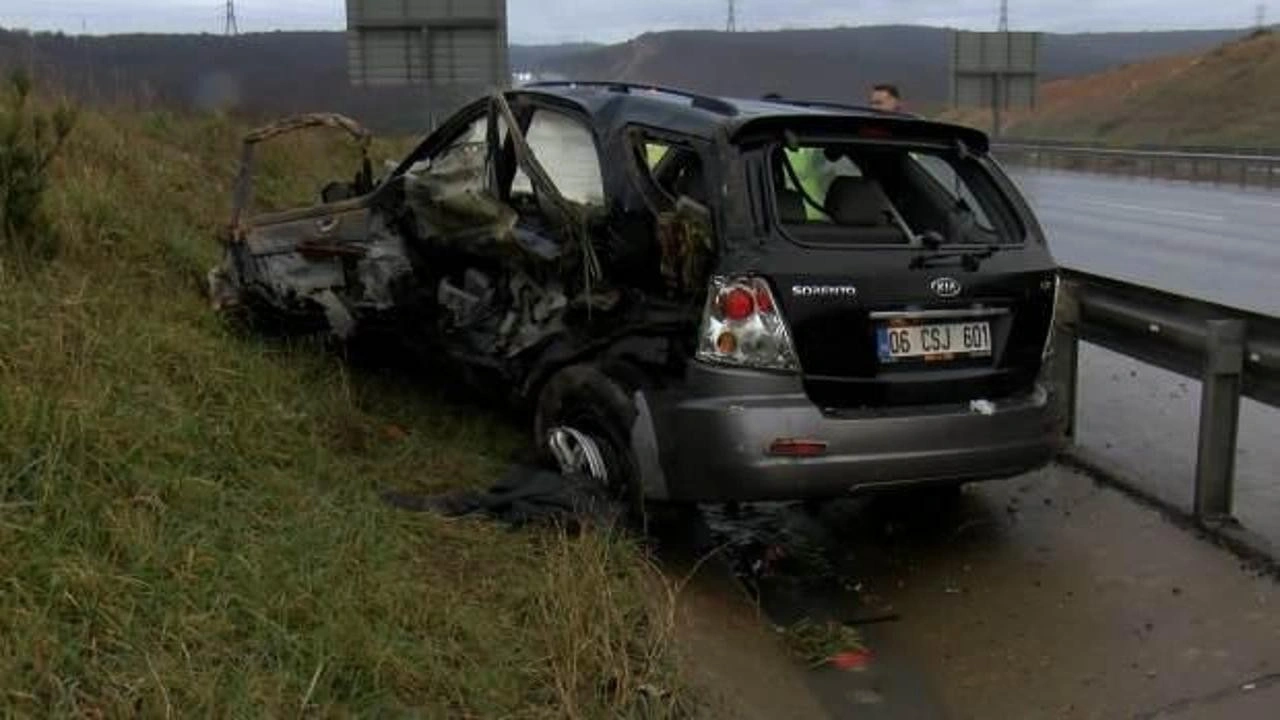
pixel 714 439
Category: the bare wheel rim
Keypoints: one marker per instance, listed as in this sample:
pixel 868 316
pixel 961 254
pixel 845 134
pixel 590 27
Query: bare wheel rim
pixel 578 453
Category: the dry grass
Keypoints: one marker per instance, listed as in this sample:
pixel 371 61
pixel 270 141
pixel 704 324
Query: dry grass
pixel 190 519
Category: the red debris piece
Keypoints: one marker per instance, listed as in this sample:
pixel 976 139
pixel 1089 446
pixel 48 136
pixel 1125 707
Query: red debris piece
pixel 852 660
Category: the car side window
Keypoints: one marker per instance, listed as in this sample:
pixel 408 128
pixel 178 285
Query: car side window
pixel 675 169
pixel 567 151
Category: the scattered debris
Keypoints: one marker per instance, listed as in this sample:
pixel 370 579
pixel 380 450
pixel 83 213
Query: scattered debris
pixel 524 496
pixel 983 407
pixel 855 660
pixel 886 617
pixel 827 643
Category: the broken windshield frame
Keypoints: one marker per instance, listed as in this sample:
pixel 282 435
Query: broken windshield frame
pixel 919 211
pixel 441 137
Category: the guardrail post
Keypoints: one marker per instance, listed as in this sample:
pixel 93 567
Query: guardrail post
pixel 1066 357
pixel 1068 343
pixel 1219 419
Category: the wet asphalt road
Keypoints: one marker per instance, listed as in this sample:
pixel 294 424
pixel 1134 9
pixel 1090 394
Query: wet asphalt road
pixel 1144 422
pixel 1047 596
pixel 1219 244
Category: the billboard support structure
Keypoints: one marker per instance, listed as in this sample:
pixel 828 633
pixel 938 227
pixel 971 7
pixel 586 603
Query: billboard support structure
pixel 452 49
pixel 996 70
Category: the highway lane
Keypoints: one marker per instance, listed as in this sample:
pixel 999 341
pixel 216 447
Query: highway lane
pixel 1219 244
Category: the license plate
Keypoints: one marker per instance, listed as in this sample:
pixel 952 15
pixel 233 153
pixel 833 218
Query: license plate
pixel 940 341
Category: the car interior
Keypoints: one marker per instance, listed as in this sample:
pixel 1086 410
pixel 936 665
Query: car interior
pixel 883 196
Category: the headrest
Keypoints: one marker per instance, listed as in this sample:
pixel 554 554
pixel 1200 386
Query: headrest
pixel 859 202
pixel 693 182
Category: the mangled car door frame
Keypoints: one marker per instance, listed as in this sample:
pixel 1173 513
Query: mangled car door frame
pixel 335 265
pixel 312 267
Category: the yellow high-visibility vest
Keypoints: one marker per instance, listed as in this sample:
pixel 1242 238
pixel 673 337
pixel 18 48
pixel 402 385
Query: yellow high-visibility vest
pixel 812 169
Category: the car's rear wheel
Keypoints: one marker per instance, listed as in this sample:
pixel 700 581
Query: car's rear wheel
pixel 583 423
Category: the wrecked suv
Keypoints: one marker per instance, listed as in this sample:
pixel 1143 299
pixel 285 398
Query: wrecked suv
pixel 694 299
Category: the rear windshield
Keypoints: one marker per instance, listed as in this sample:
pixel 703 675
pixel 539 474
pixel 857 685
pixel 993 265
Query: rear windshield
pixel 889 195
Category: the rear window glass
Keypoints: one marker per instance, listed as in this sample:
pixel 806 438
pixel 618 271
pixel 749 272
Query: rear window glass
pixel 876 194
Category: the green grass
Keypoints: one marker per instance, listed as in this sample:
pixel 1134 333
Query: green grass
pixel 189 518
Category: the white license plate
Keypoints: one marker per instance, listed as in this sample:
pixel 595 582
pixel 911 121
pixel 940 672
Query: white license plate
pixel 942 341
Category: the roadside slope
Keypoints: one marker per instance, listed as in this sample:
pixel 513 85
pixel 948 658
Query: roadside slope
pixel 1223 97
pixel 190 519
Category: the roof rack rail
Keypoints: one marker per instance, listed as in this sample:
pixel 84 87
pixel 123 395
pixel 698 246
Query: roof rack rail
pixel 775 98
pixel 702 102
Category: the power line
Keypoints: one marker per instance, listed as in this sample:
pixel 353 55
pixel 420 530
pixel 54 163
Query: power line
pixel 1262 16
pixel 732 24
pixel 229 25
pixel 1004 15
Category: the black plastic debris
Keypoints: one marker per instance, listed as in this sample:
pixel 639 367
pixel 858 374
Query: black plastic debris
pixel 526 495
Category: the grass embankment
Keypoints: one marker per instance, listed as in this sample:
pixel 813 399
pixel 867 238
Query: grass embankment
pixel 189 522
pixel 1225 97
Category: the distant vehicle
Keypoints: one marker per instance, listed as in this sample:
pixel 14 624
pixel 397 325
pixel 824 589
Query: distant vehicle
pixel 695 299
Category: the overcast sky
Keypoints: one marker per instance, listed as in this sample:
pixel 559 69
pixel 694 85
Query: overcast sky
pixel 544 21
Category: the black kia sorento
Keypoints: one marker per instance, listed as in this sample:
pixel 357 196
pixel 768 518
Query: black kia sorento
pixel 695 299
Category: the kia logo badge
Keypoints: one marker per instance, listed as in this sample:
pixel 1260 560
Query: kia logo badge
pixel 946 287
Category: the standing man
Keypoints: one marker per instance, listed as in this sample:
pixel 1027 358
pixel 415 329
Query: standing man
pixel 886 98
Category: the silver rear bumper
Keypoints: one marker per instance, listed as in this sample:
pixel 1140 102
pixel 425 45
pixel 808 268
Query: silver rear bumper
pixel 713 441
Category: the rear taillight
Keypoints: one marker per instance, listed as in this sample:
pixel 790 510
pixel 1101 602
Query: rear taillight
pixel 743 327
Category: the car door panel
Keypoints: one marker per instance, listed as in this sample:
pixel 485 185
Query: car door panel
pixel 293 256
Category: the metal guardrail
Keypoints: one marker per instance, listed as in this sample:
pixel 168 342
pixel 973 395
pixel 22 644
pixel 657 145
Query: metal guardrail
pixel 1245 167
pixel 1269 151
pixel 1235 353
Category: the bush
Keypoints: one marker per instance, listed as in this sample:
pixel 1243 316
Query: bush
pixel 30 139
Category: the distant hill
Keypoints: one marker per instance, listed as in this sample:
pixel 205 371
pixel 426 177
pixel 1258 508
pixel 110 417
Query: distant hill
pixel 259 75
pixel 1226 96
pixel 839 64
pixel 530 57
pixel 269 74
